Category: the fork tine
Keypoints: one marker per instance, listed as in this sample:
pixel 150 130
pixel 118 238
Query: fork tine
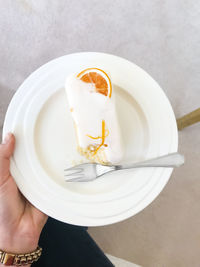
pixel 74 174
pixel 73 168
pixel 79 179
pixel 74 179
pixel 72 171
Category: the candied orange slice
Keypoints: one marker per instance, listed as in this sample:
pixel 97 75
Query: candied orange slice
pixel 99 78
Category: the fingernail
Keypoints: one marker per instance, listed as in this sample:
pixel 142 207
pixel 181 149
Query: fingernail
pixel 7 138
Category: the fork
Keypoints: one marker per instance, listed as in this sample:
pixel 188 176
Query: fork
pixel 91 171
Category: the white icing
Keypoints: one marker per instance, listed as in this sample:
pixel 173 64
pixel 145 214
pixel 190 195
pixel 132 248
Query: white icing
pixel 89 108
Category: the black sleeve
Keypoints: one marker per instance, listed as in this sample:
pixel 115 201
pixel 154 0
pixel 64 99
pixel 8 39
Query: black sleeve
pixel 66 245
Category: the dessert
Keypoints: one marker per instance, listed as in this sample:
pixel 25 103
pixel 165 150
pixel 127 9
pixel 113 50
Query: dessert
pixel 91 101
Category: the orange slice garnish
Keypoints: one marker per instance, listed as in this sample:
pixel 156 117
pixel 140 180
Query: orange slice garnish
pixel 99 78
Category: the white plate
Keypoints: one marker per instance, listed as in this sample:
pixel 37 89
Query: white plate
pixel 38 115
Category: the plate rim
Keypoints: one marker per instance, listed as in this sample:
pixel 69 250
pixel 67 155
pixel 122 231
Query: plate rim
pixel 77 54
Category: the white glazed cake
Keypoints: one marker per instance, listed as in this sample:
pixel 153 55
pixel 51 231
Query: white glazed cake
pixel 91 102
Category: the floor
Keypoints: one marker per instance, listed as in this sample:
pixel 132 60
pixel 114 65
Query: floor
pixel 118 262
pixel 163 38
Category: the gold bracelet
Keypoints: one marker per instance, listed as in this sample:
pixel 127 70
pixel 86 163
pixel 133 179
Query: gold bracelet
pixel 19 259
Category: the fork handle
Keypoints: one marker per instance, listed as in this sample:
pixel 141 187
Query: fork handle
pixel 169 161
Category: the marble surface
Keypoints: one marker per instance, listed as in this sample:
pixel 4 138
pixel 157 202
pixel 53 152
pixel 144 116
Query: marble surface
pixel 163 38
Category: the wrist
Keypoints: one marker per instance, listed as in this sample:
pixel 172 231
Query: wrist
pixel 18 244
pixel 18 247
pixel 2 265
pixel 16 259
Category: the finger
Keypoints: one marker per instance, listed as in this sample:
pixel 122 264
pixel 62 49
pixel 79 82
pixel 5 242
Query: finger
pixel 7 147
pixel 6 151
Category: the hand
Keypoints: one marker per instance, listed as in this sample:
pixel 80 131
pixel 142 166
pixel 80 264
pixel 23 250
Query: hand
pixel 20 222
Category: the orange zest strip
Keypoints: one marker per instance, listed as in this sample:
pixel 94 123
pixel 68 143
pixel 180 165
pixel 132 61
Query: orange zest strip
pixel 82 72
pixel 103 138
pixel 98 137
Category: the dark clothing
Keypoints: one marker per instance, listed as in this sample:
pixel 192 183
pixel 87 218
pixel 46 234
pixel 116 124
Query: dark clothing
pixel 66 245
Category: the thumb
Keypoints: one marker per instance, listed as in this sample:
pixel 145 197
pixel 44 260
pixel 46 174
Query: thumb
pixel 6 151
